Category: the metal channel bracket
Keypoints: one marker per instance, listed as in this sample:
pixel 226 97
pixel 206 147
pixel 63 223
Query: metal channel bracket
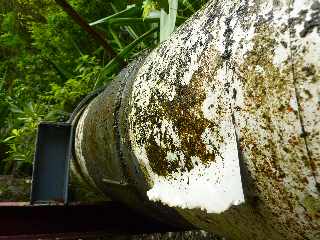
pixel 51 163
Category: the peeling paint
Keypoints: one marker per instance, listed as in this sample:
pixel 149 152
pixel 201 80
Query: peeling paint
pixel 200 124
pixel 236 85
pixel 245 70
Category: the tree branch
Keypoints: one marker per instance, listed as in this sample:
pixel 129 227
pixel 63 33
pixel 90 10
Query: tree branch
pixel 84 25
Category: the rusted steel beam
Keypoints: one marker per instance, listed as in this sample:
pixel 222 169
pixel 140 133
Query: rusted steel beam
pixel 24 221
pixel 217 127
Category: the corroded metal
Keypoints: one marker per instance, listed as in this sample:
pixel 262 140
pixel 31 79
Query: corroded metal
pixel 242 74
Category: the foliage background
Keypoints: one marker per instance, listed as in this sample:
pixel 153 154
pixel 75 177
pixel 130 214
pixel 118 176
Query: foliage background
pixel 48 63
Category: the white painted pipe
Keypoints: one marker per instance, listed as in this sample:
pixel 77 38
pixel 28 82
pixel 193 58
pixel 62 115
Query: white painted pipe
pixel 221 122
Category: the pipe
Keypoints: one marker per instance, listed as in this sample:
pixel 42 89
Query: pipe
pixel 218 127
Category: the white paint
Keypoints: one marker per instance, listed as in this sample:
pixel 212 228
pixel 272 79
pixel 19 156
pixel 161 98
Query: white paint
pixel 259 69
pixel 281 54
pixel 307 54
pixel 194 39
pixel 242 36
pixel 311 42
pixel 293 103
pixel 207 137
pixel 168 64
pixel 243 41
pixel 172 157
pixel 209 105
pixel 168 131
pixel 216 186
pixel 213 187
pixel 167 90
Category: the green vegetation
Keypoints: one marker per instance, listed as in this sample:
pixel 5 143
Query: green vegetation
pixel 48 63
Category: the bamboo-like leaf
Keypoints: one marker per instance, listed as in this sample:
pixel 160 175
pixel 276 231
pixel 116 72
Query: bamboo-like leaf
pixel 125 21
pixel 9 138
pixel 129 29
pixel 168 20
pixel 130 11
pixel 113 65
pixel 115 37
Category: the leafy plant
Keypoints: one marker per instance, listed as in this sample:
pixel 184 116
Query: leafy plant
pixel 168 16
pixel 66 97
pixel 48 63
pixel 20 154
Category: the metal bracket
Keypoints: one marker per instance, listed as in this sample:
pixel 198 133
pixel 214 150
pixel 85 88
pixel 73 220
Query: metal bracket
pixel 51 163
pixel 53 152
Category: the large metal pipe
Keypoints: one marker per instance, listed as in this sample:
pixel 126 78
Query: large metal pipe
pixel 218 127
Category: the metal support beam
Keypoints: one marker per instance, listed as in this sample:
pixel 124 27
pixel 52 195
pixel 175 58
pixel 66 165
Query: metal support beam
pixel 24 221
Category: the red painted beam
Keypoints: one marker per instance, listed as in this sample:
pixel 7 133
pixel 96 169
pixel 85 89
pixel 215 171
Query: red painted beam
pixel 23 221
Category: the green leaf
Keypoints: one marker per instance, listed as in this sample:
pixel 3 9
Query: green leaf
pixel 164 4
pixel 168 20
pixel 15 109
pixel 114 65
pixel 125 21
pixel 130 11
pixel 8 139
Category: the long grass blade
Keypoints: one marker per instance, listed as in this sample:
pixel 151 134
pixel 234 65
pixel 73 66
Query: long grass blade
pixel 115 37
pixel 168 20
pixel 125 21
pixel 130 11
pixel 113 65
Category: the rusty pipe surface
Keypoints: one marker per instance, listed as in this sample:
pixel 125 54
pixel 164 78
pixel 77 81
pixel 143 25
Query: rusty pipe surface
pixel 219 126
